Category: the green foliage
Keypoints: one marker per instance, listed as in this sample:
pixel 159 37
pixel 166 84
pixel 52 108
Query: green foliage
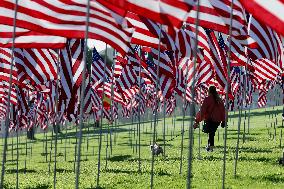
pixel 257 166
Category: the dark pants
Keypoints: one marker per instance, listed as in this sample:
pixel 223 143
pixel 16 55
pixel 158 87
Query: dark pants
pixel 213 127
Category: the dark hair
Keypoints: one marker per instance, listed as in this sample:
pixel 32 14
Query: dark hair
pixel 212 91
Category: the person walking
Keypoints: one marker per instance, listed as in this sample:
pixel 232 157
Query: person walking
pixel 212 111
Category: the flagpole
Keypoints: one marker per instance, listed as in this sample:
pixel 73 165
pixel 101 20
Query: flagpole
pixel 51 146
pixel 183 118
pixel 199 134
pixel 156 107
pixel 17 164
pixel 139 118
pixel 245 88
pixel 239 129
pixel 45 148
pixel 12 150
pixel 164 127
pixel 82 95
pixel 192 105
pixel 112 96
pixel 65 141
pixel 56 124
pixel 249 105
pixel 101 120
pixel 111 112
pixel 26 154
pixel 7 120
pixel 227 95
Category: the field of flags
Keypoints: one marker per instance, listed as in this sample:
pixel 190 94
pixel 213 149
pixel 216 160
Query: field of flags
pixel 163 50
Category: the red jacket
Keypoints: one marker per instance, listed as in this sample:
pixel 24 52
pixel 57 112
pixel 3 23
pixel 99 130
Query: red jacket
pixel 211 110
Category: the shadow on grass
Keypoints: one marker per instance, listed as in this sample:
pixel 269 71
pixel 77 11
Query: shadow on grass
pixel 258 159
pixel 99 187
pixel 159 158
pixel 73 134
pixel 13 171
pixel 247 138
pixel 212 158
pixel 263 113
pixel 133 143
pixel 274 178
pixel 185 119
pixel 232 130
pixel 64 171
pixel 10 160
pixel 41 186
pixel 241 133
pixel 159 173
pixel 82 159
pixel 44 154
pixel 120 158
pixel 255 150
pixel 11 163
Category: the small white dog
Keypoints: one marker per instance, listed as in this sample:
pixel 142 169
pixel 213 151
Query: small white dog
pixel 156 149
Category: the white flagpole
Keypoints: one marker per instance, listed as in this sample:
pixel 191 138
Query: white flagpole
pixel 101 120
pixel 139 117
pixel 83 86
pixel 239 127
pixel 111 115
pixel 227 96
pixel 156 107
pixel 7 120
pixel 192 105
pixel 56 124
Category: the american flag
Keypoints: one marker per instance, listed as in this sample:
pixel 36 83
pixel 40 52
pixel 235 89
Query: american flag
pixel 265 69
pixel 218 59
pixel 137 62
pixel 215 15
pixel 72 63
pixel 166 79
pixel 28 39
pixel 184 74
pixel 204 73
pixel 141 35
pixel 32 109
pixel 185 43
pixel 167 12
pixel 167 37
pixel 170 105
pixel 209 17
pixel 262 99
pixel 270 12
pixel 266 38
pixel 5 65
pixel 127 79
pixel 4 88
pixel 99 69
pixel 205 69
pixel 40 64
pixel 105 25
pixel 235 80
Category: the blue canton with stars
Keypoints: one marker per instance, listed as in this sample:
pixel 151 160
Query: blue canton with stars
pixel 221 41
pixel 96 56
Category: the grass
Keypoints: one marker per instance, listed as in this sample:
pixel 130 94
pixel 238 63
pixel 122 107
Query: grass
pixel 257 166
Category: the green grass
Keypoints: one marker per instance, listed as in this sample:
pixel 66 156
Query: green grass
pixel 257 166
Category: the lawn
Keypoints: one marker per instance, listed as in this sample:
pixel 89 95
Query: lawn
pixel 260 148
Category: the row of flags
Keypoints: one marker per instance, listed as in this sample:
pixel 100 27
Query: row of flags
pixel 155 56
